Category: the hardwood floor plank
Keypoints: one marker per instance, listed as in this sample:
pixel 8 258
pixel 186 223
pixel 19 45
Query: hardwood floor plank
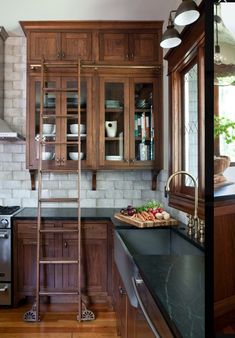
pixel 57 324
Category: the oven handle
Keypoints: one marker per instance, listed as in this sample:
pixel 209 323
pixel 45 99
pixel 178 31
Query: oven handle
pixel 136 281
pixel 3 235
pixel 4 289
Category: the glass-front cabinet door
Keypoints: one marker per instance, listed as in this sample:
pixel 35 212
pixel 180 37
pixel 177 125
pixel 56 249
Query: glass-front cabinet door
pixel 128 120
pixel 143 120
pixel 114 120
pixel 69 124
pixel 60 133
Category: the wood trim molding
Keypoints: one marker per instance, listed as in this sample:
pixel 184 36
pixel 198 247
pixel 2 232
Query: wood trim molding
pixel 3 33
pixel 224 306
pixel 96 25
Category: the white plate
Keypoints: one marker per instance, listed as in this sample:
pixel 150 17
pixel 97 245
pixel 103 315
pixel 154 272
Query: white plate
pixel 75 135
pixel 113 158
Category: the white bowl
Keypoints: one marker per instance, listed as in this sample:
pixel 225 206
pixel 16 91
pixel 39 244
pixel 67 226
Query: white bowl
pixel 48 128
pixel 113 158
pixel 47 156
pixel 74 128
pixel 74 156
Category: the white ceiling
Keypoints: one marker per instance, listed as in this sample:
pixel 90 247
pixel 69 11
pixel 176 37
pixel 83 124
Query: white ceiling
pixel 15 11
pixel 227 13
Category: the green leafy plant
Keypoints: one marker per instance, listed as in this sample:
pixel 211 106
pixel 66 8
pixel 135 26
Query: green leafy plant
pixel 224 127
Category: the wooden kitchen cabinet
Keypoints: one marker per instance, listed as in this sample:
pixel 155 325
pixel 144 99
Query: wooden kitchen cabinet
pixel 122 46
pixel 130 121
pixel 55 46
pixel 126 54
pixel 131 321
pixel 96 258
pixel 56 104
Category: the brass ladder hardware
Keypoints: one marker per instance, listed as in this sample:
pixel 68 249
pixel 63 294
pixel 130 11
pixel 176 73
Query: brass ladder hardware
pixel 83 313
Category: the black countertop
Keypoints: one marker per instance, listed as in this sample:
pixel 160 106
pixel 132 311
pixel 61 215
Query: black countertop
pixel 226 192
pixel 177 285
pixel 66 213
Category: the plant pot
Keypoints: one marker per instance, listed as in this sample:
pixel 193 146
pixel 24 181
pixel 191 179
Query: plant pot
pixel 221 163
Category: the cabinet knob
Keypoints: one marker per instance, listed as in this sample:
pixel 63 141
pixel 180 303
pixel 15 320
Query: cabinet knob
pixel 126 160
pixel 57 160
pixel 58 55
pixel 62 160
pixel 122 291
pixel 63 55
pixel 132 160
pixel 65 244
pixel 127 56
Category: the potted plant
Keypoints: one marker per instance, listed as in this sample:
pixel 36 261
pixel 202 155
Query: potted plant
pixel 226 128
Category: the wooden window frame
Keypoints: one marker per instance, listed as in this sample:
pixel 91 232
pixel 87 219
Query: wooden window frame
pixel 180 60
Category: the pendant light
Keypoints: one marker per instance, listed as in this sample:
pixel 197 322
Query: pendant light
pixel 171 37
pixel 186 13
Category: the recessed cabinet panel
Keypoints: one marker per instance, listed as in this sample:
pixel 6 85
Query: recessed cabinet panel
pixel 76 45
pixel 44 45
pixel 113 47
pixel 144 47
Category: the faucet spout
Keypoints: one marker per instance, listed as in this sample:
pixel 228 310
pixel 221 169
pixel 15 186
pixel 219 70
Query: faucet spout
pixel 182 172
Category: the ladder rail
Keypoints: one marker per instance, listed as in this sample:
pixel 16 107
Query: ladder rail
pixel 39 195
pixel 83 312
pixel 78 193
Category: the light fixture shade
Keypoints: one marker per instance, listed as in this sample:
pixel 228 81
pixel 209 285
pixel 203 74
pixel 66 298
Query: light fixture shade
pixel 186 13
pixel 170 38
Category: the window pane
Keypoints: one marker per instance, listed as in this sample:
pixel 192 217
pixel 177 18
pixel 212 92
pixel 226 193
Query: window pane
pixel 227 110
pixel 190 124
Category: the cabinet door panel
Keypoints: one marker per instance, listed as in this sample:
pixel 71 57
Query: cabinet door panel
pixel 114 122
pixel 144 47
pixel 44 45
pixel 76 45
pixel 113 47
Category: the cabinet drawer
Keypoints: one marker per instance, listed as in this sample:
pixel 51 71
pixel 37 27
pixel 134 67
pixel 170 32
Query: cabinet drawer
pixel 29 229
pixel 89 230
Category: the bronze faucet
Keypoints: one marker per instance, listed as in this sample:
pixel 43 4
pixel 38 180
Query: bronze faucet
pixel 192 223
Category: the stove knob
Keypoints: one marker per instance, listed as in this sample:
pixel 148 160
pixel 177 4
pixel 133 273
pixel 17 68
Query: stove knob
pixel 4 223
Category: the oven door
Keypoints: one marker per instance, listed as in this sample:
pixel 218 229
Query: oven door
pixel 5 294
pixel 5 255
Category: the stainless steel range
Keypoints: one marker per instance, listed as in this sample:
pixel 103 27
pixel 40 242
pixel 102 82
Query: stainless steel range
pixel 6 214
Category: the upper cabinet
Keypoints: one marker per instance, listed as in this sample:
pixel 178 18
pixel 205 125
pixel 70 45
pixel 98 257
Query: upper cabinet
pixel 59 46
pixel 134 47
pixel 128 42
pixel 120 96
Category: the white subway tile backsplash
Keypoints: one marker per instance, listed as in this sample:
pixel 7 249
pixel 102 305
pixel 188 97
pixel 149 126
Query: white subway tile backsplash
pixel 105 203
pixel 123 185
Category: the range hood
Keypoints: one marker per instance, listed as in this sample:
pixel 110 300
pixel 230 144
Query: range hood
pixel 7 134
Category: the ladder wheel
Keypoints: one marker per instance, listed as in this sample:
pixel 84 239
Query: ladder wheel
pixel 30 316
pixel 87 315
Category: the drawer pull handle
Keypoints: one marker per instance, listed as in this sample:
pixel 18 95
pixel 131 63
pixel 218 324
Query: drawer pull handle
pixel 33 243
pixel 4 289
pixel 135 282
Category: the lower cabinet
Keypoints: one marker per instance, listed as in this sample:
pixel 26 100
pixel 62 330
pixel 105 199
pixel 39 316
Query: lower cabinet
pixel 131 321
pixel 96 258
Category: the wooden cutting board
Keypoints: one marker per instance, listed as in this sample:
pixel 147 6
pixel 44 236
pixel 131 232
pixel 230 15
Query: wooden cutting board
pixel 146 224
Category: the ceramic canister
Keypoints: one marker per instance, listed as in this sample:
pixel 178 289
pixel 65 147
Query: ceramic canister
pixel 111 128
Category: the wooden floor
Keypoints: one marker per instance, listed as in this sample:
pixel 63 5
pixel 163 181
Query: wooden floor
pixel 58 324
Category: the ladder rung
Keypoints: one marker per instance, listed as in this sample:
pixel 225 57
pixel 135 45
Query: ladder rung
pixel 64 199
pixel 48 116
pixel 58 260
pixel 48 293
pixel 59 90
pixel 55 142
pixel 59 171
pixel 59 230
pixel 60 64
